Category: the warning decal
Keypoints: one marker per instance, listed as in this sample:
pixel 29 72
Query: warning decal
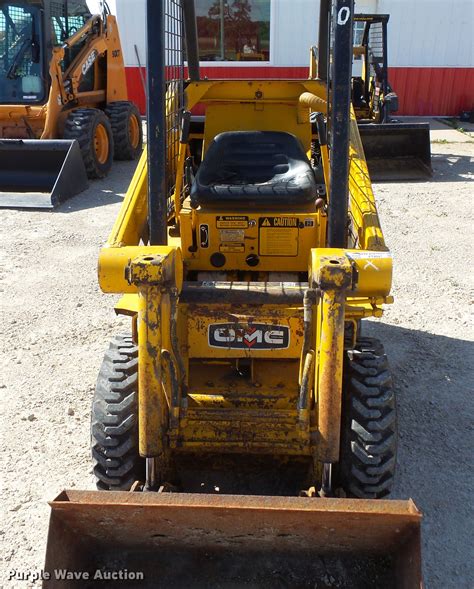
pixel 278 236
pixel 232 222
pixel 232 248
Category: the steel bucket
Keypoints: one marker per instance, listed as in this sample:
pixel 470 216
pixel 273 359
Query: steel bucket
pixel 40 174
pixel 397 151
pixel 229 541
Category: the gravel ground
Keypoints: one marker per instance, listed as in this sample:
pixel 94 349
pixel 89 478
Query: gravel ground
pixel 57 325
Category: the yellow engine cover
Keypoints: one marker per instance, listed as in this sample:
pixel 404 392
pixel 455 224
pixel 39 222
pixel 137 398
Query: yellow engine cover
pixel 249 239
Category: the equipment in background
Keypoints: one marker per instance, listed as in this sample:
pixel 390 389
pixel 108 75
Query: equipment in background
pixel 62 96
pixel 394 151
pixel 244 430
pixel 467 116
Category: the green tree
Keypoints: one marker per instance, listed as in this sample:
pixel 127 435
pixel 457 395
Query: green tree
pixel 215 9
pixel 241 11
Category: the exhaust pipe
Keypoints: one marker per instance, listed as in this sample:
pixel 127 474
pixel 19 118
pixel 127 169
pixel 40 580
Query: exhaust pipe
pixel 192 46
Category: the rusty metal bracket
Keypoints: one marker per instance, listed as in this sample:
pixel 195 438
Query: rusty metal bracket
pixel 334 273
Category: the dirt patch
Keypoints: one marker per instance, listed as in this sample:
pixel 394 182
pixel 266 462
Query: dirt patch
pixel 220 569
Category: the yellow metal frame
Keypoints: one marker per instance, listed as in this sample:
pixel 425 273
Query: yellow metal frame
pixel 174 350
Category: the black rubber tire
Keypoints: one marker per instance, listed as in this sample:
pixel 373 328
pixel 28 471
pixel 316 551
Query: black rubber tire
pixel 81 125
pixel 120 115
pixel 114 423
pixel 369 423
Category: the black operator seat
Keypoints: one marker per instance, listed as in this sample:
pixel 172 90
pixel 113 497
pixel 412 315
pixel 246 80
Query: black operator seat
pixel 263 167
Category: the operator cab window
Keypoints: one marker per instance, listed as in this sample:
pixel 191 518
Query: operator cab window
pixel 21 56
pixel 66 20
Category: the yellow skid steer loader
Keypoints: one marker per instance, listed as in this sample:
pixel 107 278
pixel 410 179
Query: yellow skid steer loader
pixel 244 430
pixel 64 112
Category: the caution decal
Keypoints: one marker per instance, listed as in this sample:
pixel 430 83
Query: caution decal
pixel 278 236
pixel 278 222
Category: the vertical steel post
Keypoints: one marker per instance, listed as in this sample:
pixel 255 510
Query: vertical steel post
pixel 330 374
pixel 365 43
pixel 341 73
pixel 192 45
pixel 222 32
pixel 156 119
pixel 323 42
pixel 334 277
pixel 386 113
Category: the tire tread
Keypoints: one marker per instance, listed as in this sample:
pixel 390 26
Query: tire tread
pixel 119 113
pixel 80 126
pixel 114 423
pixel 369 423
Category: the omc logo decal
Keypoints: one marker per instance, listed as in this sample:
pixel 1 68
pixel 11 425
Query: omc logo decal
pixel 255 336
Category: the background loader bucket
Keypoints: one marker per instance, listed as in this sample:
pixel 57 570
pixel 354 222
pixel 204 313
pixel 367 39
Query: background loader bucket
pixel 397 151
pixel 197 541
pixel 39 174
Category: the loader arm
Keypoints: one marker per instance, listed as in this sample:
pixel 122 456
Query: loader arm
pixel 96 41
pixel 95 44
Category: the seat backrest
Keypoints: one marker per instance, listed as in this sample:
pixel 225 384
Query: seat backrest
pixel 260 166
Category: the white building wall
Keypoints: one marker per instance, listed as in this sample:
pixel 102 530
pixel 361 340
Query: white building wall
pixel 423 33
pixel 131 16
pixel 430 33
pixel 294 28
pixel 295 25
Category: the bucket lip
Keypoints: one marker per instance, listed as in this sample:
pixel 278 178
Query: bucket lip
pixel 72 498
pixel 62 145
pixel 387 127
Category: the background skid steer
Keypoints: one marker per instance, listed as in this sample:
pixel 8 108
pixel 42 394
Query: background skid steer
pixel 64 113
pixel 255 423
pixel 393 150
